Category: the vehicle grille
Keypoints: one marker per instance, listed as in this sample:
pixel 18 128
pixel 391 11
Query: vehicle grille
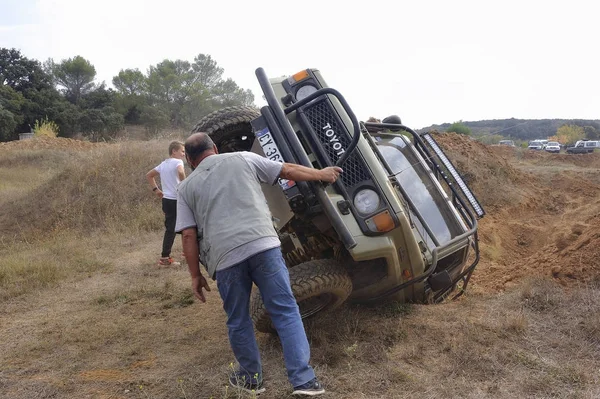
pixel 319 115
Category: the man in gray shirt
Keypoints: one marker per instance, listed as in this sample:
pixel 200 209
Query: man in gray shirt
pixel 226 223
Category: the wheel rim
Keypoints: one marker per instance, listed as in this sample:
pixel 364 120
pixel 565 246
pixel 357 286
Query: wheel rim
pixel 315 304
pixel 234 143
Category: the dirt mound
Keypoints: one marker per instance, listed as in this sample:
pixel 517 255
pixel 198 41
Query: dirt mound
pixel 575 254
pixel 55 143
pixel 485 168
pixel 543 212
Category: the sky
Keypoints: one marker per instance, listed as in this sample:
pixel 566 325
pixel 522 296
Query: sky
pixel 428 61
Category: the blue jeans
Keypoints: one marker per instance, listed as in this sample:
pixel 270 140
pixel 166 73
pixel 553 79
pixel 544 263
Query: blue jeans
pixel 268 271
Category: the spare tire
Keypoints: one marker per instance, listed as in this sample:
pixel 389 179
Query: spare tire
pixel 318 285
pixel 229 128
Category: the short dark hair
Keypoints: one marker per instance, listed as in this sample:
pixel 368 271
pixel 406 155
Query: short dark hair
pixel 197 144
pixel 174 146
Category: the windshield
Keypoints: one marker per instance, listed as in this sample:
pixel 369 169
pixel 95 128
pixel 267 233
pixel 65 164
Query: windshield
pixel 553 144
pixel 423 193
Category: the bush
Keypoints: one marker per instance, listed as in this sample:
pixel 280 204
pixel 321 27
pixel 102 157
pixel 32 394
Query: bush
pixel 45 128
pixel 459 127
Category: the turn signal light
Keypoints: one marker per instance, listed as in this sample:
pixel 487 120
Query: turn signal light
pixel 381 222
pixel 300 75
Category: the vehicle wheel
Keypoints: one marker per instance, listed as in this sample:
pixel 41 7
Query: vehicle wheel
pixel 318 285
pixel 229 128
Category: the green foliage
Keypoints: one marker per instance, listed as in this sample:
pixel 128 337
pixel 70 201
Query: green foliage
pixel 101 123
pixel 459 127
pixel 11 105
pixel 173 93
pixel 569 133
pixel 7 124
pixel 130 82
pixel 76 76
pixel 591 132
pixel 26 90
pixel 154 119
pixel 227 93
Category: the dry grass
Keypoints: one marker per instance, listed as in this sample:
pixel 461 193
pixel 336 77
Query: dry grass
pixel 86 313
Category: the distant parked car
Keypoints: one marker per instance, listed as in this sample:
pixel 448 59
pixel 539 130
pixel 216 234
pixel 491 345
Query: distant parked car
pixel 536 145
pixel 553 146
pixel 507 142
pixel 583 146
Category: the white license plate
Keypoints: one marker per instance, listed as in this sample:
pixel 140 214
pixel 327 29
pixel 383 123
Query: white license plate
pixel 268 145
pixel 272 152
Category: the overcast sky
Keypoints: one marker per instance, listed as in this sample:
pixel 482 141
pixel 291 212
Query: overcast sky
pixel 428 61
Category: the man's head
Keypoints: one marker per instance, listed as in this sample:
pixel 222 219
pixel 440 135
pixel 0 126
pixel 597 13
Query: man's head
pixel 176 150
pixel 197 147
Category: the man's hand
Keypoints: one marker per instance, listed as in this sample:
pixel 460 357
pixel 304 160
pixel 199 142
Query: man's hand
pixel 330 173
pixel 159 193
pixel 197 284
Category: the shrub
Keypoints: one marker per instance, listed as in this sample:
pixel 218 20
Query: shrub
pixel 459 127
pixel 45 128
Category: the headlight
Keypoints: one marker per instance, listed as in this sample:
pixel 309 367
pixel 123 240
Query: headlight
pixel 366 201
pixel 305 91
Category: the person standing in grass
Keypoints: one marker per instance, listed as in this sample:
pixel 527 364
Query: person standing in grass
pixel 226 224
pixel 171 173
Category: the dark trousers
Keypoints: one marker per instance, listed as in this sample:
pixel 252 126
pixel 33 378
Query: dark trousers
pixel 169 207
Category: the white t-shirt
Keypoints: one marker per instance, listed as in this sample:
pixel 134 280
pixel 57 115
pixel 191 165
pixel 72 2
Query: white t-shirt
pixel 169 178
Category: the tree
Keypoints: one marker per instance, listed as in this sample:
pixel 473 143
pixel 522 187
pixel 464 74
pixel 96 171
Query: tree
pixel 208 72
pixel 130 82
pixel 184 91
pixel 100 123
pixel 27 91
pixel 591 132
pixel 131 85
pixel 154 119
pixel 76 76
pixel 100 97
pixel 227 93
pixel 12 101
pixel 568 134
pixel 7 124
pixel 459 127
pixel 21 73
pixel 172 84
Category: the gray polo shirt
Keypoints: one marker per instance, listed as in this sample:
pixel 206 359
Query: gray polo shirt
pixel 223 200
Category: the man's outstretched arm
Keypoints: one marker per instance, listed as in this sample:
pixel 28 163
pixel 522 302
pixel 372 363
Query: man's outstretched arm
pixel 295 172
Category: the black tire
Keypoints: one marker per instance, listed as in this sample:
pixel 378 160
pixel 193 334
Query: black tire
pixel 318 285
pixel 229 128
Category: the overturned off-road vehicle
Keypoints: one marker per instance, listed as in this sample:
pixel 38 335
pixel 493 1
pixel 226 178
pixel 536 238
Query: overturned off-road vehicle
pixel 398 224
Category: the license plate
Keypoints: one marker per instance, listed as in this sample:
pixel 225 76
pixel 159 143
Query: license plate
pixel 272 152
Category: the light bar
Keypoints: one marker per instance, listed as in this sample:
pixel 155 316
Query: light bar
pixel 461 184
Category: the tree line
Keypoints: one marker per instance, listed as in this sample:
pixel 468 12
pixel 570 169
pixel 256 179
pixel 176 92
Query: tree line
pixel 172 93
pixel 491 131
